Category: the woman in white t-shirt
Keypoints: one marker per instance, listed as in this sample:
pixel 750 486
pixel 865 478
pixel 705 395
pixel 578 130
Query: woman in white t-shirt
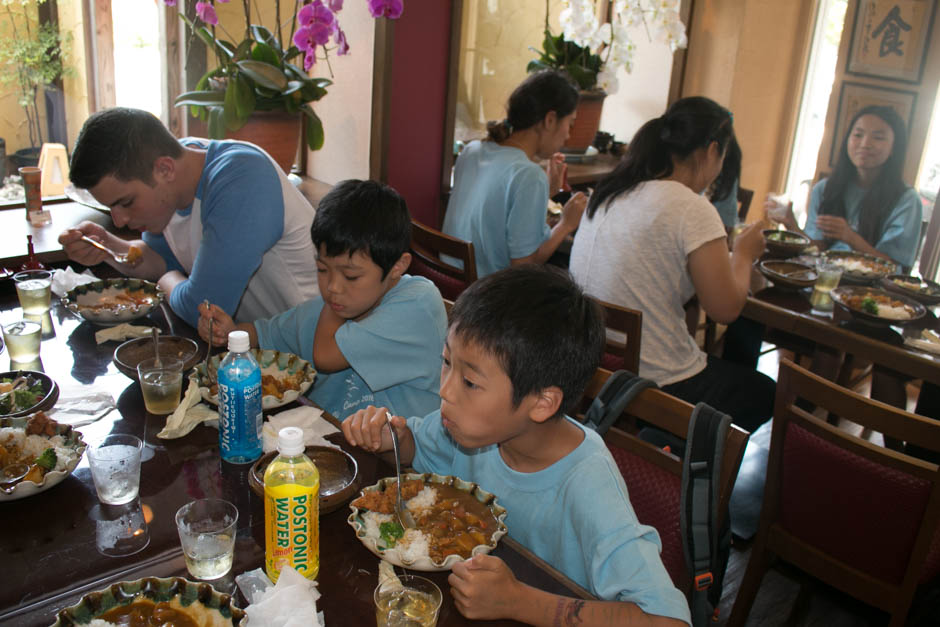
pixel 650 240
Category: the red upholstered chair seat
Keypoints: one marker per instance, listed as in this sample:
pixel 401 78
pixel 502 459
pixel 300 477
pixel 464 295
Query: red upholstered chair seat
pixel 449 286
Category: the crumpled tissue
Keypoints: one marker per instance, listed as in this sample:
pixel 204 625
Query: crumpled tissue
pixel 292 602
pixel 121 332
pixel 310 419
pixel 190 413
pixel 68 279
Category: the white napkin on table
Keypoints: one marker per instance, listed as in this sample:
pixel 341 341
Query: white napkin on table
pixel 190 413
pixel 310 419
pixel 121 332
pixel 292 602
pixel 68 279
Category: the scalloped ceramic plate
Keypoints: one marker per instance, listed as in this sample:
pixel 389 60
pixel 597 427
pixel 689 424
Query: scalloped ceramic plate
pixel 876 266
pixel 842 294
pixel 86 300
pixel 73 440
pixel 272 362
pixel 200 601
pixel 49 387
pixel 394 556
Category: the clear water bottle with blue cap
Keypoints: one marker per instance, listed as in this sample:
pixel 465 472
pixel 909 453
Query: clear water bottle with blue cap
pixel 240 417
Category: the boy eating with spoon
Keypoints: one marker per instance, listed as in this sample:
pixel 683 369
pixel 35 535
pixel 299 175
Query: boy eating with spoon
pixel 521 346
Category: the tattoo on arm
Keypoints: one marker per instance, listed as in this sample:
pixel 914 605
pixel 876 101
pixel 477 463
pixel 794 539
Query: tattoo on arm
pixel 568 613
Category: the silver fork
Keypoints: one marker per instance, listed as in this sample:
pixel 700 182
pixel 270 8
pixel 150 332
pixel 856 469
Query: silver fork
pixel 404 516
pixel 118 258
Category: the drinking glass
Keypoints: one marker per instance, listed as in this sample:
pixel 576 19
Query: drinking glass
pixel 829 275
pixel 161 384
pixel 22 339
pixel 115 468
pixel 416 602
pixel 207 533
pixel 34 289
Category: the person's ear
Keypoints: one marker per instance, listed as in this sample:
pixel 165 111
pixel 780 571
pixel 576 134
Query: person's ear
pixel 400 267
pixel 547 402
pixel 164 169
pixel 550 120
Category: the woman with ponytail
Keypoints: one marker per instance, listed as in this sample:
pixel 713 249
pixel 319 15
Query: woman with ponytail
pixel 650 240
pixel 865 205
pixel 501 193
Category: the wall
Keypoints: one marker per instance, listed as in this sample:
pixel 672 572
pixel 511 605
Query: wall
pixel 749 55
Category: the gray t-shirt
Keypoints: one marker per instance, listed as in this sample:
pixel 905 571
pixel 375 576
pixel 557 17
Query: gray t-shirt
pixel 636 254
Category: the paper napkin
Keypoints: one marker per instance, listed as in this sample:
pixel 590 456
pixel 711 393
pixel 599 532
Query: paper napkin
pixel 310 419
pixel 65 280
pixel 121 332
pixel 190 413
pixel 292 602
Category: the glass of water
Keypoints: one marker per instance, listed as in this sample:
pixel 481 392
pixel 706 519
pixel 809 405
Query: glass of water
pixel 829 275
pixel 115 468
pixel 207 533
pixel 415 601
pixel 161 384
pixel 23 339
pixel 34 289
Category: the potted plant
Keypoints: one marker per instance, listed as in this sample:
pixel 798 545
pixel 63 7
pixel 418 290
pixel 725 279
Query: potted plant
pixel 32 57
pixel 265 71
pixel 591 52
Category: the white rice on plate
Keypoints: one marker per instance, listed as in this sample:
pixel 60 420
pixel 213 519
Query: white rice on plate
pixel 32 446
pixel 414 544
pixel 894 313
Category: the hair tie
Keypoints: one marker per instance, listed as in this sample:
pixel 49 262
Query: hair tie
pixel 507 125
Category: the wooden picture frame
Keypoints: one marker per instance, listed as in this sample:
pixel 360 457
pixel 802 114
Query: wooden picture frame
pixel 890 37
pixel 855 96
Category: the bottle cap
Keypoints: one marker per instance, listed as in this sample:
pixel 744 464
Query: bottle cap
pixel 290 441
pixel 238 341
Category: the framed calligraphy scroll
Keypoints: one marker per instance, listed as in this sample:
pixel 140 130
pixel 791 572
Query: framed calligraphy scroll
pixel 890 37
pixel 855 96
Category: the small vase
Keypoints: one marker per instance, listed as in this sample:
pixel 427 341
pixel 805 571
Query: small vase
pixel 587 122
pixel 278 132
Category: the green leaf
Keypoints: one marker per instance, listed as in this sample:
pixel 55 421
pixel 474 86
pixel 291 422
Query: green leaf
pixel 216 123
pixel 314 128
pixel 266 54
pixel 292 86
pixel 264 74
pixel 240 96
pixel 243 50
pixel 200 98
pixel 263 36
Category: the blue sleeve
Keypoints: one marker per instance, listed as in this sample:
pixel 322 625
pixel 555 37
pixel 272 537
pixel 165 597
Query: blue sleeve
pixel 900 239
pixel 293 330
pixel 526 228
pixel 435 451
pixel 401 340
pixel 158 244
pixel 242 211
pixel 815 201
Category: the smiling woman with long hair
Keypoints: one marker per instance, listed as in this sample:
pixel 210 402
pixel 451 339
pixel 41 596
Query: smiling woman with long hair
pixel 865 205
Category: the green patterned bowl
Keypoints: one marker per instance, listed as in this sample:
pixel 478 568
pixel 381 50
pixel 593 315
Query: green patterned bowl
pixel 275 363
pixel 199 600
pixel 108 301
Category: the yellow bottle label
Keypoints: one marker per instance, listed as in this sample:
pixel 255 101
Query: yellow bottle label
pixel 292 529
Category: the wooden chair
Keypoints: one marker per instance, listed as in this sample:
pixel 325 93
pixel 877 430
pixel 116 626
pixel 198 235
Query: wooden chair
pixel 427 246
pixel 745 196
pixel 653 475
pixel 623 355
pixel 857 516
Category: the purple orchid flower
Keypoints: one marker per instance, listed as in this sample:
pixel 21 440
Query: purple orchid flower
pixel 342 46
pixel 169 3
pixel 315 13
pixel 206 12
pixel 391 9
pixel 309 59
pixel 335 5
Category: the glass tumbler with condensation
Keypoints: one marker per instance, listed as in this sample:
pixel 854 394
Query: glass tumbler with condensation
pixel 829 275
pixel 416 602
pixel 207 532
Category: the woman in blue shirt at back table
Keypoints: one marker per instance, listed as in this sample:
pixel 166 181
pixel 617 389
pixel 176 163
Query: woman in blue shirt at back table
pixel 865 205
pixel 500 196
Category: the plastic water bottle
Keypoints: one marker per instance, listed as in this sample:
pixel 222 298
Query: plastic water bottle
pixel 291 509
pixel 240 415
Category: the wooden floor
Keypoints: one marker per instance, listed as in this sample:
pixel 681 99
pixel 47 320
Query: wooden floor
pixel 788 597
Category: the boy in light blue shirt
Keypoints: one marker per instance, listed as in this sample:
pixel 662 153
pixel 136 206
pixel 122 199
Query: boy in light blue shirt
pixel 522 344
pixel 375 333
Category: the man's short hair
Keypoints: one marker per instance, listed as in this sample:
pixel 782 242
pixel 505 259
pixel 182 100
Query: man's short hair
pixel 363 215
pixel 539 325
pixel 123 143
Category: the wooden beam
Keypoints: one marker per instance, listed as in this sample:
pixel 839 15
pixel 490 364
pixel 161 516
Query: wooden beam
pixel 171 46
pixel 450 113
pixel 105 95
pixel 381 98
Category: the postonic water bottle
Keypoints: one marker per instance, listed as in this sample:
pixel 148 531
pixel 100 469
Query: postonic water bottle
pixel 291 509
pixel 240 415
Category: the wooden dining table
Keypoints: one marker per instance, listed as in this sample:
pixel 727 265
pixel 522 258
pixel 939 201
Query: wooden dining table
pixel 58 545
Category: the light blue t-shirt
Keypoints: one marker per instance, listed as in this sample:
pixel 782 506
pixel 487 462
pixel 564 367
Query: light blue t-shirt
pixel 498 203
pixel 900 239
pixel 728 208
pixel 575 514
pixel 394 353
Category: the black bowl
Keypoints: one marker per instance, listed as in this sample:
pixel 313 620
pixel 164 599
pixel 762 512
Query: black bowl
pixel 132 352
pixel 49 387
pixel 788 275
pixel 880 267
pixel 339 475
pixel 923 291
pixel 841 296
pixel 791 245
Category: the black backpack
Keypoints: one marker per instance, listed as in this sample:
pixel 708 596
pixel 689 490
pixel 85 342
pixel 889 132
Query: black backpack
pixel 706 546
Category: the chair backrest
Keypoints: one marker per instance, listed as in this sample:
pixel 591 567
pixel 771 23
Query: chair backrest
pixel 622 354
pixel 745 196
pixel 654 475
pixel 861 517
pixel 427 246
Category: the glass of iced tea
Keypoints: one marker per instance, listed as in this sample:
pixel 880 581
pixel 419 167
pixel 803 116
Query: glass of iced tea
pixel 34 289
pixel 829 275
pixel 161 384
pixel 22 339
pixel 417 601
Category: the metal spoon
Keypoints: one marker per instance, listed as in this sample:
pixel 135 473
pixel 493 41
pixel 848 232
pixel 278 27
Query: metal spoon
pixel 404 516
pixel 118 258
pixel 209 347
pixel 156 347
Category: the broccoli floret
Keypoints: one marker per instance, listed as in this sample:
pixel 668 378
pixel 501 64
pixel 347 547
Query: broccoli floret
pixel 390 532
pixel 47 460
pixel 870 306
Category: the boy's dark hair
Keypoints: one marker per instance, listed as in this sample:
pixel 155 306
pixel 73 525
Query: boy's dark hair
pixel 123 143
pixel 540 326
pixel 363 215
